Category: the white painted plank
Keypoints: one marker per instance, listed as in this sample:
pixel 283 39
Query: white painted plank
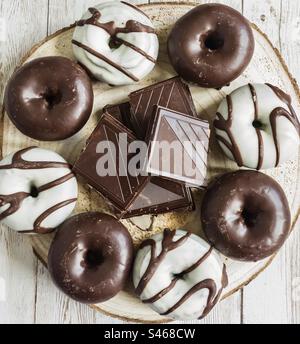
pixel 237 4
pixel 53 307
pixel 290 35
pixel 290 49
pixel 17 263
pixel 268 299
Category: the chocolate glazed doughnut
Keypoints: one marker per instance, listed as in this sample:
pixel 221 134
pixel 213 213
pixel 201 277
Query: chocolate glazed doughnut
pixel 90 257
pixel 246 216
pixel 49 99
pixel 211 45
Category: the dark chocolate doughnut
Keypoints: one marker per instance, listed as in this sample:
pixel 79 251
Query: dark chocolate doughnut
pixel 90 257
pixel 211 45
pixel 245 215
pixel 49 99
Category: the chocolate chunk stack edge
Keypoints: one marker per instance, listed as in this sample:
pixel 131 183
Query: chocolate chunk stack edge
pixel 161 112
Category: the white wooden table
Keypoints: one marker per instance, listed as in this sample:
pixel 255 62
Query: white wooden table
pixel 274 297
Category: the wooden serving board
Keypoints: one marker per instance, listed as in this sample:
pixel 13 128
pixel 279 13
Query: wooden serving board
pixel 266 66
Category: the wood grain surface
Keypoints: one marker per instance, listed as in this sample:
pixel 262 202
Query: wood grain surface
pixel 31 297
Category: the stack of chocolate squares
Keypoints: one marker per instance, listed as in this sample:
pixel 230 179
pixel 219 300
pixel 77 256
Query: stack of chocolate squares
pixel 161 112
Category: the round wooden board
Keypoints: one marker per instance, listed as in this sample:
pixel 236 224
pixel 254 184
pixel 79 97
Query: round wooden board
pixel 266 66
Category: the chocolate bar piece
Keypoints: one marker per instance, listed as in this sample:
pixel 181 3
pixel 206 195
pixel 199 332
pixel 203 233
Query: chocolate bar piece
pixel 161 196
pixel 172 94
pixel 119 187
pixel 122 112
pixel 178 147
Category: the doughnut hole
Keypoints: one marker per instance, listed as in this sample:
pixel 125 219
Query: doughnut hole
pixel 214 41
pixel 114 43
pixel 92 259
pixel 249 217
pixel 255 212
pixel 52 97
pixel 34 191
pixel 257 124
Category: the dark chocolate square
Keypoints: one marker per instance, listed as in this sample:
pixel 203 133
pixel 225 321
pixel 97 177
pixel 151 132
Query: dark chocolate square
pixel 173 94
pixel 120 191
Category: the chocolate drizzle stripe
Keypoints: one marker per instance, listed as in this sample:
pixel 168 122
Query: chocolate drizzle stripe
pixel 15 200
pixel 205 284
pixel 225 125
pixel 56 182
pixel 40 230
pixel 131 26
pixel 135 48
pixel 110 27
pixel 258 131
pixel 167 245
pixel 281 112
pixel 37 224
pixel 19 163
pixel 212 302
pixel 212 299
pixel 163 292
pixel 105 59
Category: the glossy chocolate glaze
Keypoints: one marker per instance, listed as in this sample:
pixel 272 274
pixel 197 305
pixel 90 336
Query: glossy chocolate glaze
pixel 211 45
pixel 245 215
pixel 90 257
pixel 49 99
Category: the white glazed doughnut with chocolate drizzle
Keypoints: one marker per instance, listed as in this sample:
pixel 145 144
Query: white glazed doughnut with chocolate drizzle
pixel 116 42
pixel 179 275
pixel 257 127
pixel 38 191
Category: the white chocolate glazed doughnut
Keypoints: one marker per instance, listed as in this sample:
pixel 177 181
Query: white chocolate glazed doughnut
pixel 38 191
pixel 179 275
pixel 257 127
pixel 116 42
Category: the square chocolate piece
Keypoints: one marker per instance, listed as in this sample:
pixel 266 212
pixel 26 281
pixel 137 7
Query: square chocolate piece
pixel 119 187
pixel 122 112
pixel 172 94
pixel 160 196
pixel 178 147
